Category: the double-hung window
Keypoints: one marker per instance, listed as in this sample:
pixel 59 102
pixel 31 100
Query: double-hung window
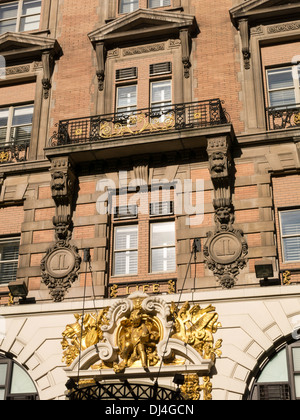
pixel 19 16
pixel 9 255
pixel 126 99
pixel 16 124
pixel 284 86
pixel 128 6
pixel 290 234
pixel 126 250
pixel 163 254
pixel 159 3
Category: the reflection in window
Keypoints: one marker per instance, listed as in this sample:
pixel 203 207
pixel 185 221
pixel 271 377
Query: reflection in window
pixel 128 6
pixel 290 234
pixel 283 86
pixel 159 3
pixel 16 124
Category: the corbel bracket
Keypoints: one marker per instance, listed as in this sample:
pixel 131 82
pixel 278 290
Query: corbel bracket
pixel 101 60
pixel 245 38
pixel 185 39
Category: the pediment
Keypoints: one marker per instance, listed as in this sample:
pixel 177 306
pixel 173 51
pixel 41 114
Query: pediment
pixel 259 9
pixel 144 23
pixel 15 44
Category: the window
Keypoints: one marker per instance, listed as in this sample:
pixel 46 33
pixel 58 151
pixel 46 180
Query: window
pixel 15 383
pixel 128 6
pixel 280 378
pixel 290 234
pixel 163 256
pixel 159 3
pixel 126 99
pixel 161 94
pixel 9 255
pixel 15 124
pixel 283 86
pixel 126 250
pixel 19 16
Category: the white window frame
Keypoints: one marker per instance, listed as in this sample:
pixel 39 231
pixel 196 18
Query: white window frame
pixel 161 4
pixel 11 109
pixel 163 247
pixel 132 7
pixel 282 236
pixel 8 241
pixel 127 251
pixel 126 109
pixel 295 88
pixel 19 16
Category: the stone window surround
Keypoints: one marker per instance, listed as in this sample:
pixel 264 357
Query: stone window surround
pixel 113 8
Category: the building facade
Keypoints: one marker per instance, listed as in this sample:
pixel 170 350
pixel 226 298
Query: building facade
pixel 150 199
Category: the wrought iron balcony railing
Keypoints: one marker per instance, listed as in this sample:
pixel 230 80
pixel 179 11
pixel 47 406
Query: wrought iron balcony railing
pixel 149 121
pixel 283 117
pixel 15 148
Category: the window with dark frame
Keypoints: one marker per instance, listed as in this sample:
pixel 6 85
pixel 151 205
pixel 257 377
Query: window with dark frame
pixel 290 234
pixel 280 378
pixel 20 16
pixel 9 256
pixel 15 383
pixel 128 6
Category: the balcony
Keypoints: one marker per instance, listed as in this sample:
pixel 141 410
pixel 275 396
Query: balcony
pixel 15 148
pixel 148 121
pixel 284 117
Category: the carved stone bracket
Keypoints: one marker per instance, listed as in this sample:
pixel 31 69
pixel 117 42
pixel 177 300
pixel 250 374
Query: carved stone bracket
pixel 245 38
pixel 61 263
pixel 185 39
pixel 226 249
pixel 48 65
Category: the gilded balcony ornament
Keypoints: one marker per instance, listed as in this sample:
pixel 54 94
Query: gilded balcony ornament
pixel 137 124
pixel 196 327
pixel 4 156
pixel 297 119
pixel 286 278
pixel 82 334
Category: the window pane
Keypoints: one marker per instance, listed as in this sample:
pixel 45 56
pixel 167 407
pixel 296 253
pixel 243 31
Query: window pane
pixel 296 359
pixel 31 7
pixel 3 371
pixel 280 78
pixel 126 97
pixel 8 26
pixel 297 385
pixel 29 23
pixel 126 238
pixel 282 98
pixel 163 234
pixel 2 394
pixel 163 259
pixel 21 382
pixel 276 370
pixel 290 222
pixel 161 91
pixel 23 115
pixel 127 6
pixel 9 262
pixel 3 117
pixel 126 263
pixel 9 10
pixel 291 248
pixel 159 3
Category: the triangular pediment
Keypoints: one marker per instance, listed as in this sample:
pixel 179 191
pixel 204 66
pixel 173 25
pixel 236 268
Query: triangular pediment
pixel 141 24
pixel 14 44
pixel 265 9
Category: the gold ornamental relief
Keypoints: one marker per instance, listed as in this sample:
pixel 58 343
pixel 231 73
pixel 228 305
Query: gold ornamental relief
pixel 137 338
pixel 82 334
pixel 196 327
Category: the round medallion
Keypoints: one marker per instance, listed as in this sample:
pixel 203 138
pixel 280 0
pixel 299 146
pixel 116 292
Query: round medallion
pixel 60 263
pixel 225 248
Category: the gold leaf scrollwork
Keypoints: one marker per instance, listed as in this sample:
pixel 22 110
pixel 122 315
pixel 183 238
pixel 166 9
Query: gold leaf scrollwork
pixel 4 156
pixel 297 119
pixel 286 278
pixel 137 340
pixel 137 124
pixel 196 327
pixel 82 334
pixel 191 388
